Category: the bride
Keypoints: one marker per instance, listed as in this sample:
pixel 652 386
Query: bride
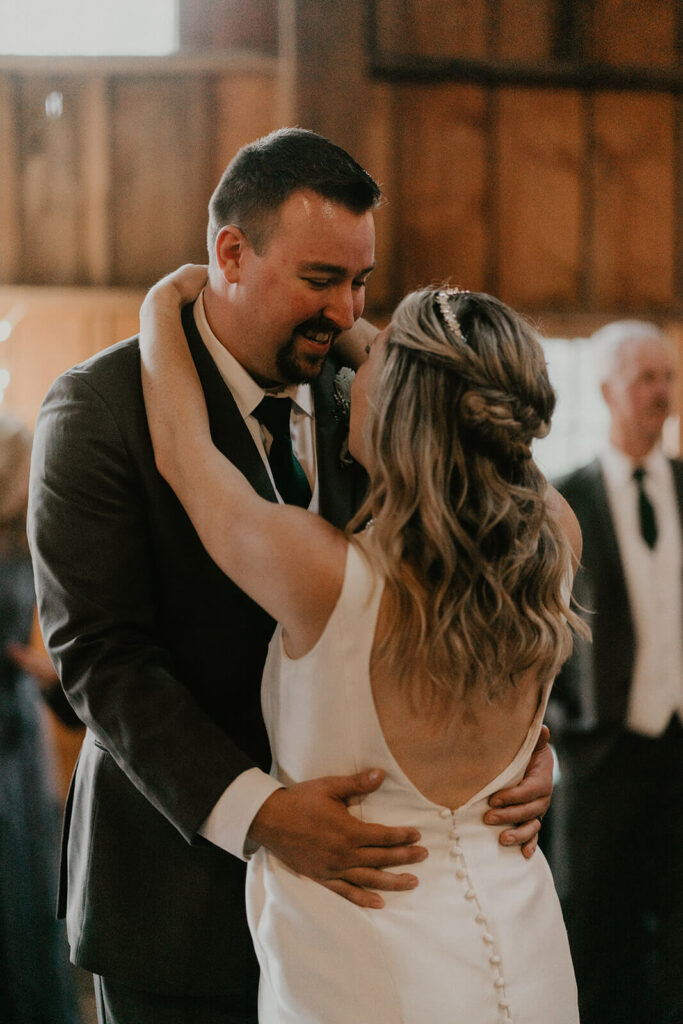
pixel 424 644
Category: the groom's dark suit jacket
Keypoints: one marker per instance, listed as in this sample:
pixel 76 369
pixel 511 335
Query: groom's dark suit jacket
pixel 589 700
pixel 161 656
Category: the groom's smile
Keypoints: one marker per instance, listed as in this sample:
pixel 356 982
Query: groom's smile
pixel 303 356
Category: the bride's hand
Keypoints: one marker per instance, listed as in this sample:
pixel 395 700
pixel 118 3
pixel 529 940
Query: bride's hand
pixel 174 401
pixel 521 808
pixel 177 288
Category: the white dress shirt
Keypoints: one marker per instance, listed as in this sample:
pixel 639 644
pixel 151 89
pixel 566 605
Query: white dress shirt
pixel 229 821
pixel 653 583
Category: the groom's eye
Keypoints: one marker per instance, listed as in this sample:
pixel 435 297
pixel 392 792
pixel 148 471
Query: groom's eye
pixel 319 283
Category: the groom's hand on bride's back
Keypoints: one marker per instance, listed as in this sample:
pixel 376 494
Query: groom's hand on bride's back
pixel 308 826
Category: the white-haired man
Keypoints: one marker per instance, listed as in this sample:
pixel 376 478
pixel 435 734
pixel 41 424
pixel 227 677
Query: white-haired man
pixel 618 703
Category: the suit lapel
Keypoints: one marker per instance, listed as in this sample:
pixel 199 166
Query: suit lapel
pixel 229 431
pixel 677 469
pixel 341 485
pixel 605 688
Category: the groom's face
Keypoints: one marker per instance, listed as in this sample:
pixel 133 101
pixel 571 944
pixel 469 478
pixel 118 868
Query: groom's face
pixel 304 288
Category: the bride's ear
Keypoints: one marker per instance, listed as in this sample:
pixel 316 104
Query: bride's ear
pixel 231 244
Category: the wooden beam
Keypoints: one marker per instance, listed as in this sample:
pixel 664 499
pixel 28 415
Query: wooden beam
pixel 552 74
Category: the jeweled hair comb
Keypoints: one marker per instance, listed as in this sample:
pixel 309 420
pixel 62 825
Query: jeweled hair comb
pixel 449 317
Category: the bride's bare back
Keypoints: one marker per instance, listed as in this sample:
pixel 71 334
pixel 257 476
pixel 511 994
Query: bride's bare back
pixel 450 746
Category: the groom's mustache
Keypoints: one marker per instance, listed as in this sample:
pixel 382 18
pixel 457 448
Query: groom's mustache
pixel 319 325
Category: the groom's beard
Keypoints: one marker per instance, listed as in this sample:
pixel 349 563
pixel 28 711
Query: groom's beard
pixel 297 361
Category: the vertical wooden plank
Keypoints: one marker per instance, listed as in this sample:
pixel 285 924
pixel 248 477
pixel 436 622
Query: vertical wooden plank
pixel 376 152
pixel 540 196
pixel 96 180
pixel 525 31
pixel 162 168
pixel 442 198
pixel 635 211
pixel 324 61
pixel 287 62
pixel 639 32
pixel 678 203
pixel 50 195
pixel 389 17
pixel 433 28
pixel 9 176
pixel 245 109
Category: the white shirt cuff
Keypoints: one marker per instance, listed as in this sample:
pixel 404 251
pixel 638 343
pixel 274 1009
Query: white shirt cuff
pixel 230 820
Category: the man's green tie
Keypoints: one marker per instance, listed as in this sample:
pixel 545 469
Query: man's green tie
pixel 289 477
pixel 648 522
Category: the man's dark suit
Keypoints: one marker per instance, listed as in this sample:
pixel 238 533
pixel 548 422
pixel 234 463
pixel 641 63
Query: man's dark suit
pixel 619 800
pixel 162 657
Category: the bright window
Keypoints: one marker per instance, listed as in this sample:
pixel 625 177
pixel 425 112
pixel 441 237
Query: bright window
pixel 581 420
pixel 88 27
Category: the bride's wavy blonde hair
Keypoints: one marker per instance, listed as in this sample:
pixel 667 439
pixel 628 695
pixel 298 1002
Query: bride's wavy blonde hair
pixel 476 568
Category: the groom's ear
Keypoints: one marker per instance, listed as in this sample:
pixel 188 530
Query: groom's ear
pixel 231 244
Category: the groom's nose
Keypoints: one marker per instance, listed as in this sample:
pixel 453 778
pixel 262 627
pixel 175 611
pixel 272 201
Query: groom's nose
pixel 344 306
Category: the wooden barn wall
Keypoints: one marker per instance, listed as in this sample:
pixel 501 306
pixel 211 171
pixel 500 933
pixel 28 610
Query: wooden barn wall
pixel 549 198
pixel 114 190
pixel 531 148
pixel 538 149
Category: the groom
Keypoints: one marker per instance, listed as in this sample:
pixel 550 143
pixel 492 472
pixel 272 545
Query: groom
pixel 161 654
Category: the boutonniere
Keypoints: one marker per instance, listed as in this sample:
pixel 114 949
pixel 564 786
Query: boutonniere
pixel 342 402
pixel 342 393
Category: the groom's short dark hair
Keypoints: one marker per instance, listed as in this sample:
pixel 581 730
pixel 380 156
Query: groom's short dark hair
pixel 266 172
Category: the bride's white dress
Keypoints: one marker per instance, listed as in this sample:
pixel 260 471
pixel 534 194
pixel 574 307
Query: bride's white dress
pixel 481 939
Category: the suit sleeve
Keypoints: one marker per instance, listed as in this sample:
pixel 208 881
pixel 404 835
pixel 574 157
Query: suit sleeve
pixel 95 584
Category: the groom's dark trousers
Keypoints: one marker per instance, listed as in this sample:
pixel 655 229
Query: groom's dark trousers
pixel 120 1004
pixel 161 656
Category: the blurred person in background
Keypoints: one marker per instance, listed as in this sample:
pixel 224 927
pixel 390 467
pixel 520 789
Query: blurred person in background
pixel 617 706
pixel 35 978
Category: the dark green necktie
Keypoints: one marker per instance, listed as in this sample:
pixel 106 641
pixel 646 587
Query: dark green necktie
pixel 648 522
pixel 289 477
